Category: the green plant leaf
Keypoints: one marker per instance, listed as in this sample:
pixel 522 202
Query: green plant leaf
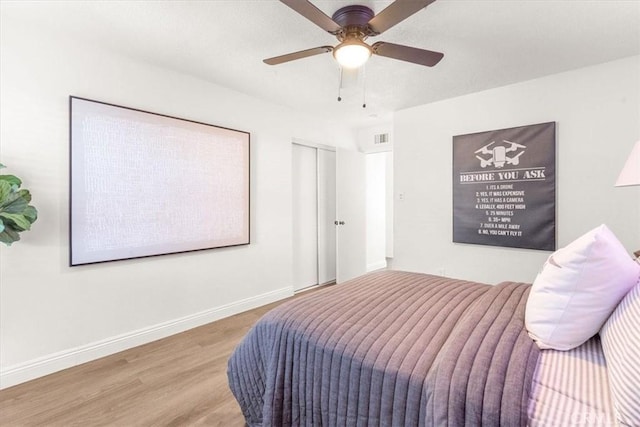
pixel 10 198
pixel 2 166
pixel 8 236
pixel 5 191
pixel 16 221
pixel 24 193
pixel 16 215
pixel 13 180
pixel 16 205
pixel 31 213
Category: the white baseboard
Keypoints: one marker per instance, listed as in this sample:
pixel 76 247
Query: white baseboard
pixel 377 265
pixel 42 366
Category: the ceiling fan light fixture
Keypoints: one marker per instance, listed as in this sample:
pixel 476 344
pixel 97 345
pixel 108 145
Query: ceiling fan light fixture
pixel 352 53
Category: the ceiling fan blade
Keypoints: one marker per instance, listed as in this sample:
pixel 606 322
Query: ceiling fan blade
pixel 428 58
pixel 396 12
pixel 298 55
pixel 313 14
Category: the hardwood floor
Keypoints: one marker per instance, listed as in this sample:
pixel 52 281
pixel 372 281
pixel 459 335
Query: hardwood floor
pixel 177 381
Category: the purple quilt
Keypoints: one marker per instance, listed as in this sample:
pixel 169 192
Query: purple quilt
pixel 389 349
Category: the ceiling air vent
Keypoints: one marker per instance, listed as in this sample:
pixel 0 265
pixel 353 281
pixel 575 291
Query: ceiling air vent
pixel 381 138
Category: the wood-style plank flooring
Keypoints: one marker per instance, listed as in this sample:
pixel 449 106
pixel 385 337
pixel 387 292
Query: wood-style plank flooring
pixel 177 381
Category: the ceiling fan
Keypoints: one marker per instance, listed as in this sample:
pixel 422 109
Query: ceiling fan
pixel 352 25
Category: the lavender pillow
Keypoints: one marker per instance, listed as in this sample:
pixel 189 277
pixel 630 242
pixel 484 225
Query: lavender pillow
pixel 578 288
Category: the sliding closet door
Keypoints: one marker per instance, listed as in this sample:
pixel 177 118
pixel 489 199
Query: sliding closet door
pixel 305 217
pixel 326 216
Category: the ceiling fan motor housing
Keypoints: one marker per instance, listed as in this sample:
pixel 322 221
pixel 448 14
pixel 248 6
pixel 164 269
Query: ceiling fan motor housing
pixel 354 21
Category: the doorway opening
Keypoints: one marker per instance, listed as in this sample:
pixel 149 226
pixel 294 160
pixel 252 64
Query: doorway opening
pixel 342 214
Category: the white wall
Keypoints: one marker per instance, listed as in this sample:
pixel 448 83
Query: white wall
pixel 389 205
pixel 376 165
pixel 366 137
pixel 597 111
pixel 365 141
pixel 53 316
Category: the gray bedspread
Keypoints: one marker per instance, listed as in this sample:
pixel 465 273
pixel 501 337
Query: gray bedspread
pixel 389 349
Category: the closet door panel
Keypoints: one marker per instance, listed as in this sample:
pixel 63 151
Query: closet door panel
pixel 326 216
pixel 305 217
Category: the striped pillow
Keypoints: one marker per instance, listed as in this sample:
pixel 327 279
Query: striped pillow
pixel 621 345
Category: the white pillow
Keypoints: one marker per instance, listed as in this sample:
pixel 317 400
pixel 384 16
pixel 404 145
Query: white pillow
pixel 620 337
pixel 578 288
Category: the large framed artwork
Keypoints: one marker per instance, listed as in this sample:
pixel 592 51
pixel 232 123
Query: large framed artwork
pixel 145 184
pixel 504 187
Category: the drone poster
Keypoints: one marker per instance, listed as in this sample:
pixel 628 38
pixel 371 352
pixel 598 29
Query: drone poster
pixel 504 187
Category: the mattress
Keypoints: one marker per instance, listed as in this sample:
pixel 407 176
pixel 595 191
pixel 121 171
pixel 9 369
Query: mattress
pixel 571 388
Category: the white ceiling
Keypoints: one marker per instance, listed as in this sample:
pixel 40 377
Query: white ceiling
pixel 487 44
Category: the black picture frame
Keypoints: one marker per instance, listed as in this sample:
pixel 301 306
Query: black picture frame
pixel 144 184
pixel 504 187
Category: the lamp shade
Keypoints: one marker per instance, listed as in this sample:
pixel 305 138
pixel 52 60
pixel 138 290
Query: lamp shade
pixel 352 53
pixel 630 174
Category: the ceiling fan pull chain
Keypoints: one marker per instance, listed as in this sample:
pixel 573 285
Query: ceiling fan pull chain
pixel 340 85
pixel 364 87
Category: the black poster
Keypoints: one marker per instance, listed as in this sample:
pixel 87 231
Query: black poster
pixel 504 187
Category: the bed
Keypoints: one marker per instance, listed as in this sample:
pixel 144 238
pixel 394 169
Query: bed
pixel 407 349
pixel 390 348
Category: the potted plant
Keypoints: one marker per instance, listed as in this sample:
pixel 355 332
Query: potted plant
pixel 16 214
